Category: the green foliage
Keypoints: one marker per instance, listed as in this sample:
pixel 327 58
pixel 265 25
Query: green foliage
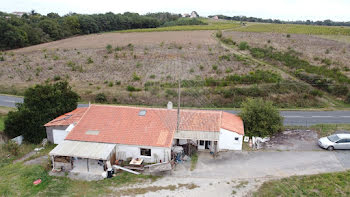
pixel 219 34
pixel 42 104
pixel 110 84
pixel 225 57
pixel 260 118
pixel 215 67
pixel 184 21
pixel 101 98
pixel 57 78
pixel 258 76
pixel 90 60
pixel 243 46
pixel 136 77
pixel 2 58
pixel 109 48
pixel 329 184
pixel 131 88
pixel 347 99
pixel 12 147
pixel 170 93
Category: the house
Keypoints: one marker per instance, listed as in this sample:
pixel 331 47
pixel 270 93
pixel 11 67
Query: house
pixel 194 14
pixel 186 15
pixel 96 136
pixel 19 14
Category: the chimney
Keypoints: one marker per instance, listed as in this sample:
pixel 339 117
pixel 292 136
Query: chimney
pixel 170 105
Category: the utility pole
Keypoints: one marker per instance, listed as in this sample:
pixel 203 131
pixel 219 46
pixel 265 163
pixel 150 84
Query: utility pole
pixel 178 106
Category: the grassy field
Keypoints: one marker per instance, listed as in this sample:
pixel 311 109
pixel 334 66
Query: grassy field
pixel 296 29
pixel 330 184
pixel 328 129
pixel 2 125
pixel 212 25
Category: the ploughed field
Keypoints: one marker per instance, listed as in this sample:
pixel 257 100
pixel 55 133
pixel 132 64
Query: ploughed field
pixel 144 68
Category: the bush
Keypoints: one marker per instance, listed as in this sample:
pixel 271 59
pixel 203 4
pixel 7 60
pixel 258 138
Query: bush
pixel 135 77
pixel 42 104
pixel 12 147
pixel 57 78
pixel 219 34
pixel 260 118
pixel 90 60
pixel 101 98
pixel 243 46
pixel 109 48
pixel 347 99
pixel 132 88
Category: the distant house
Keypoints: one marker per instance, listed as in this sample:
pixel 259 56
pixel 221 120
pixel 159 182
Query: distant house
pixel 194 14
pixel 215 17
pixel 186 15
pixel 102 134
pixel 19 14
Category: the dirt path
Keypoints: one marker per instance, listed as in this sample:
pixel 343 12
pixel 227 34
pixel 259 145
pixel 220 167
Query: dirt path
pixel 25 157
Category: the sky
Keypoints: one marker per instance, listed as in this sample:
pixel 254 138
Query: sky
pixel 336 10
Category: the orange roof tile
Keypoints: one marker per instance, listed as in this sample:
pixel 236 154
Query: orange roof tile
pixel 124 125
pixel 67 118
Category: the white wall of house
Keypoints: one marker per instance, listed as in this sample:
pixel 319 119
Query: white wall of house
pixel 229 140
pixel 60 134
pixel 157 153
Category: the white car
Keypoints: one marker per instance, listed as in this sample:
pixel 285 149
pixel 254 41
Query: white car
pixel 336 141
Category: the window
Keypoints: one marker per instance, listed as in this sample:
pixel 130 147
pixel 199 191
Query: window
pixel 236 138
pixel 201 142
pixel 342 141
pixel 145 152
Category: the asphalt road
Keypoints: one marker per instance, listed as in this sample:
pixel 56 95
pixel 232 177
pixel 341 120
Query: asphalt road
pixel 300 118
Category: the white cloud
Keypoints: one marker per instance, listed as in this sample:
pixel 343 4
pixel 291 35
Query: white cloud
pixel 279 9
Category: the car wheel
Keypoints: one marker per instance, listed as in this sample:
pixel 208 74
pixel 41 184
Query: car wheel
pixel 330 148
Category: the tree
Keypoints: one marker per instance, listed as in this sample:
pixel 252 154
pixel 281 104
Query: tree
pixel 260 118
pixel 42 103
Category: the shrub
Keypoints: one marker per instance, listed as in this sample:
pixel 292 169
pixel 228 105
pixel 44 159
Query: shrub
pixel 101 98
pixel 109 48
pixel 260 118
pixel 118 83
pixel 243 46
pixel 288 35
pixel 2 58
pixel 42 103
pixel 219 34
pixel 347 99
pixel 12 147
pixel 340 90
pixel 191 70
pixel 228 41
pixel 225 57
pixel 215 67
pixel 316 93
pixel 152 76
pixel 135 77
pixel 57 78
pixel 184 21
pixel 170 93
pixel 110 84
pixel 132 88
pixel 90 60
pixel 201 67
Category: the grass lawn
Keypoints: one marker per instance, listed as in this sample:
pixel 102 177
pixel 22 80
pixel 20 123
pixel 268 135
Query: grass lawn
pixel 2 125
pixel 17 179
pixel 328 129
pixel 329 184
pixel 296 29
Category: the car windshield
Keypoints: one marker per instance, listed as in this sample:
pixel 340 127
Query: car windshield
pixel 333 138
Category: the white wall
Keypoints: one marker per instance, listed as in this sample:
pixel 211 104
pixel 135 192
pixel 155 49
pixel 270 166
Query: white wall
pixel 227 140
pixel 157 153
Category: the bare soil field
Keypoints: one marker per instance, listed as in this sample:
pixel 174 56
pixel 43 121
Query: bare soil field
pixel 101 40
pixel 312 48
pixel 143 68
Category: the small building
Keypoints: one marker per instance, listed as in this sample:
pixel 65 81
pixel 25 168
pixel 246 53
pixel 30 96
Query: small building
pixel 215 17
pixel 194 14
pixel 19 14
pixel 186 15
pixel 99 135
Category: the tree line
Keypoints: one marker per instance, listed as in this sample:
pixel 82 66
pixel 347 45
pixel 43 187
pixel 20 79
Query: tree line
pixel 260 20
pixel 34 28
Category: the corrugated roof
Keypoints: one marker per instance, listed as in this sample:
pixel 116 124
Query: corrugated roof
pixel 91 150
pixel 68 118
pixel 123 125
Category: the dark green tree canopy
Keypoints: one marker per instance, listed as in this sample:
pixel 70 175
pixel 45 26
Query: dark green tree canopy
pixel 42 103
pixel 260 118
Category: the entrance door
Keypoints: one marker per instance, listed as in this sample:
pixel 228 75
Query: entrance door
pixel 207 144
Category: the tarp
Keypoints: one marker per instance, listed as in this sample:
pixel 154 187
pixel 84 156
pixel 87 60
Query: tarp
pixel 90 150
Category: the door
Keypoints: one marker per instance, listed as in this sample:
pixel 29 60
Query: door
pixel 207 144
pixel 341 144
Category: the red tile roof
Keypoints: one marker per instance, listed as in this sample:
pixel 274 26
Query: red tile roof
pixel 124 125
pixel 68 118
